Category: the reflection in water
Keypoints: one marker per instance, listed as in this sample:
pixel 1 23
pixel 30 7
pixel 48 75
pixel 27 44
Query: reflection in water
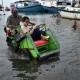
pixel 30 69
pixel 74 25
pixel 57 18
pixel 56 15
pixel 58 21
pixel 26 69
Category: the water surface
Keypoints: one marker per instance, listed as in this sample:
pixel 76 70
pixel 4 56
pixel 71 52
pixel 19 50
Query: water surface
pixel 67 67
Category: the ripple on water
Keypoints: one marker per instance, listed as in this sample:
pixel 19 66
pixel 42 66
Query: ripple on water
pixel 15 67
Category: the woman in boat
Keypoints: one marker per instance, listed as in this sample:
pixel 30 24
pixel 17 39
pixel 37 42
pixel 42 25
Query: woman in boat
pixel 35 33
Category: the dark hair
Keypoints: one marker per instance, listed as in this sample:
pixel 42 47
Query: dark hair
pixel 24 18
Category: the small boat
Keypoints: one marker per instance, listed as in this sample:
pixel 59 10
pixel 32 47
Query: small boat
pixel 39 49
pixel 7 9
pixel 61 4
pixel 54 5
pixel 28 6
pixel 71 12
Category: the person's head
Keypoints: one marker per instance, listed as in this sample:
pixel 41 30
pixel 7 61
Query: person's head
pixel 25 20
pixel 14 12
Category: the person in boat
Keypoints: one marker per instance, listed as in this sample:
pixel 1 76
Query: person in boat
pixel 13 21
pixel 35 33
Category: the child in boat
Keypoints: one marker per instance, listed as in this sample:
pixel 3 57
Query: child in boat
pixel 35 33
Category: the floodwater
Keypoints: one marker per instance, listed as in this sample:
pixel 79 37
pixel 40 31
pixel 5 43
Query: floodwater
pixel 66 67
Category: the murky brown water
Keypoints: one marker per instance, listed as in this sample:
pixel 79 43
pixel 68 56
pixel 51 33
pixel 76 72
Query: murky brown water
pixel 67 67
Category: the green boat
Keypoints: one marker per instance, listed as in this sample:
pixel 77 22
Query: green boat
pixel 39 49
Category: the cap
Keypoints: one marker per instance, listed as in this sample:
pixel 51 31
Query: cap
pixel 14 10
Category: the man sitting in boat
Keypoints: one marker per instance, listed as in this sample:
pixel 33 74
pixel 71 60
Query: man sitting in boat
pixel 13 21
pixel 35 33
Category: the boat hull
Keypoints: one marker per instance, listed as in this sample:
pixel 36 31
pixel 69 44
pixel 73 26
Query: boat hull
pixel 36 8
pixel 50 9
pixel 70 14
